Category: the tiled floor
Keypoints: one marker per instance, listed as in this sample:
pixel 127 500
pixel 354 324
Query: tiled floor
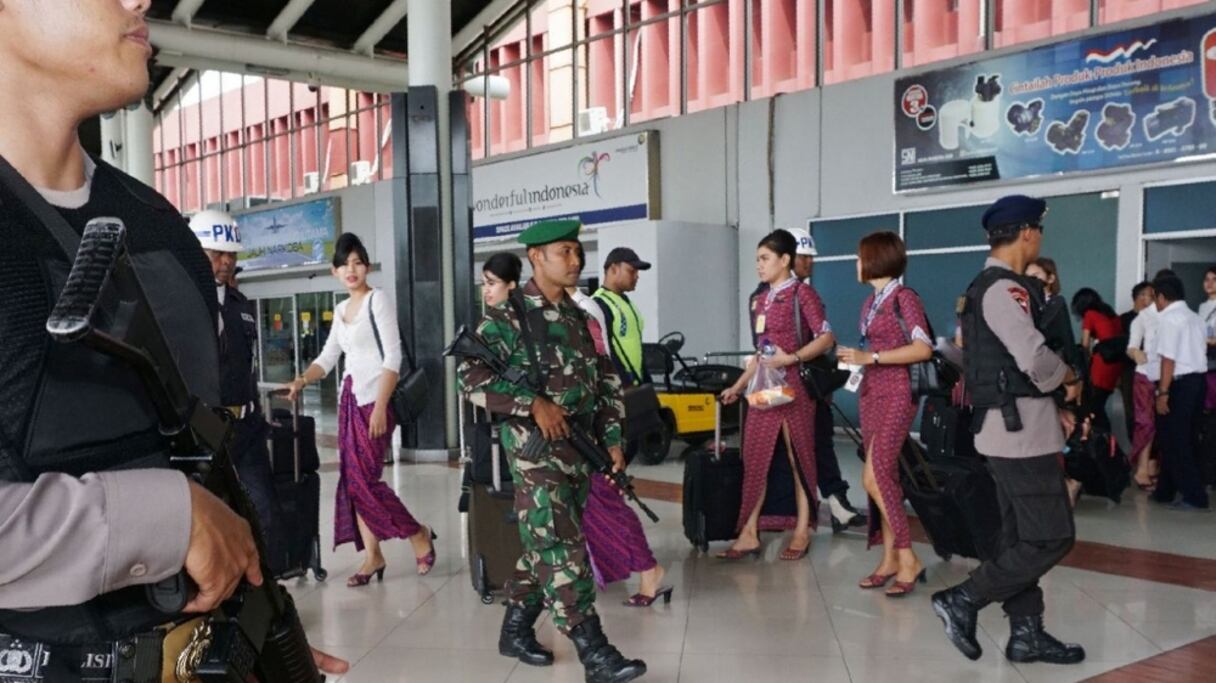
pixel 752 621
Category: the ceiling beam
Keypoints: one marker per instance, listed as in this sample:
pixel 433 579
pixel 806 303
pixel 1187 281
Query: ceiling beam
pixel 242 53
pixel 390 17
pixel 288 16
pixel 473 30
pixel 184 11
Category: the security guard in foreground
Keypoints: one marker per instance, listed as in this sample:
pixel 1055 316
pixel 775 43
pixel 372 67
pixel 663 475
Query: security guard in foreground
pixel 551 486
pixel 220 237
pixel 89 509
pixel 1012 376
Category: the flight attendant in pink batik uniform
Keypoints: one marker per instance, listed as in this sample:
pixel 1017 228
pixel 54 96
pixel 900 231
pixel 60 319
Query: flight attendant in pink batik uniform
pixel 887 405
pixel 785 431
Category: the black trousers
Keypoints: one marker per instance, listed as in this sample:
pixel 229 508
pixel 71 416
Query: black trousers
pixel 1095 403
pixel 1176 441
pixel 252 460
pixel 827 467
pixel 1036 532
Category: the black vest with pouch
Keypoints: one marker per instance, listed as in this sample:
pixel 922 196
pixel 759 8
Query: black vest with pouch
pixel 65 408
pixel 994 379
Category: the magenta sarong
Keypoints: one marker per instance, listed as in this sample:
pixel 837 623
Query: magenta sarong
pixel 360 491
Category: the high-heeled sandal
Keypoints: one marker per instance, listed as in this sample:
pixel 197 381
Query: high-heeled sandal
pixel 359 580
pixel 641 600
pixel 732 554
pixel 427 562
pixel 792 555
pixel 875 580
pixel 902 588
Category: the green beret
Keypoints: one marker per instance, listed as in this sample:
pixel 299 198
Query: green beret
pixel 546 232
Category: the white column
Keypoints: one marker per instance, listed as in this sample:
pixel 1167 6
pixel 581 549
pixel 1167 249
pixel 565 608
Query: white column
pixel 430 63
pixel 139 156
pixel 113 139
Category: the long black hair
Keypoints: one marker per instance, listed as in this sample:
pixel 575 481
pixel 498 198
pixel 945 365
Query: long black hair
pixel 780 243
pixel 505 266
pixel 1086 300
pixel 349 243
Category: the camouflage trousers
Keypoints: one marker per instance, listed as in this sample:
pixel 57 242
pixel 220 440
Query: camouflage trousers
pixel 550 493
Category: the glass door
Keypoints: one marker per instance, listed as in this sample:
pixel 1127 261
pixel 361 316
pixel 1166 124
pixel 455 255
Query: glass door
pixel 315 318
pixel 277 323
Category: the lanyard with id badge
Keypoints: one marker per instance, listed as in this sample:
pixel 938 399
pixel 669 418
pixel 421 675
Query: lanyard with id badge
pixel 857 372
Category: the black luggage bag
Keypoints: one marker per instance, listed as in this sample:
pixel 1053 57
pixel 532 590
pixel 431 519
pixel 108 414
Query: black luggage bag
pixel 494 541
pixel 298 488
pixel 1098 463
pixel 289 430
pixel 713 490
pixel 945 430
pixel 955 500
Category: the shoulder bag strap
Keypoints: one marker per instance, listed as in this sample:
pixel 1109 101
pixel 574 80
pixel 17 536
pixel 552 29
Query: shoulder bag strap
pixel 52 220
pixel 371 313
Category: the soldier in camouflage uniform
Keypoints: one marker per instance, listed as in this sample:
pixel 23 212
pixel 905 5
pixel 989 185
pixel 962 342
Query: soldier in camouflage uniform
pixel 552 481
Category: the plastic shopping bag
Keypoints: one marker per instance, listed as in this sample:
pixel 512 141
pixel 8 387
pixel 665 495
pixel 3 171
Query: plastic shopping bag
pixel 768 388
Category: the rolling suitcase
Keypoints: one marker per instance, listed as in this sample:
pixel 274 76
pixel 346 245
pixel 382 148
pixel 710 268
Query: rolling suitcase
pixel 713 490
pixel 1099 464
pixel 494 541
pixel 945 430
pixel 299 493
pixel 292 434
pixel 955 500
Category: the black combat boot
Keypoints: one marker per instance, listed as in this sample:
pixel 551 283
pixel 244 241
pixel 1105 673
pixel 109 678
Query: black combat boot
pixel 519 640
pixel 959 610
pixel 1028 642
pixel 602 662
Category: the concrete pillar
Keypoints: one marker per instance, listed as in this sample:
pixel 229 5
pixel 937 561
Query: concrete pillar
pixel 430 64
pixel 138 124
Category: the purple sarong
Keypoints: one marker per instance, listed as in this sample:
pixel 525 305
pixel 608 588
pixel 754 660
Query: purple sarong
pixel 616 542
pixel 360 490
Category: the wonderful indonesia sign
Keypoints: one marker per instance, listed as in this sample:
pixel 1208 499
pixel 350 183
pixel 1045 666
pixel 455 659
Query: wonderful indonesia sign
pixel 606 181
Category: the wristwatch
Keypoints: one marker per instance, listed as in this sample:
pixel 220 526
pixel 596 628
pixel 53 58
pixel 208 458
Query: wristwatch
pixel 875 357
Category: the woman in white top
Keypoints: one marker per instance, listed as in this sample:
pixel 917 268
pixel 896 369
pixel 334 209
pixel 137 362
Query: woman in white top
pixel 1141 343
pixel 1207 313
pixel 365 423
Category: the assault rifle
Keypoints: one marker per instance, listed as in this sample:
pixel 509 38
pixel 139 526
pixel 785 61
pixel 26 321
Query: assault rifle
pixel 256 634
pixel 468 345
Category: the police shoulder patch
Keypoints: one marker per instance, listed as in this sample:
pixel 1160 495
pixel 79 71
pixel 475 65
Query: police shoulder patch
pixel 1021 297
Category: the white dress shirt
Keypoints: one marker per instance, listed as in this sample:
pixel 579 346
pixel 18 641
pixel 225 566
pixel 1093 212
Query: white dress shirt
pixel 1181 338
pixel 356 339
pixel 1143 336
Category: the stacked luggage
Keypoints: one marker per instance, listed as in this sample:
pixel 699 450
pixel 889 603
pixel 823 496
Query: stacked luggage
pixel 295 463
pixel 494 541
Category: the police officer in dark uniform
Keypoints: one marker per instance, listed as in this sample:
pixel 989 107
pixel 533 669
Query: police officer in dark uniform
pixel 220 237
pixel 1014 380
pixel 90 510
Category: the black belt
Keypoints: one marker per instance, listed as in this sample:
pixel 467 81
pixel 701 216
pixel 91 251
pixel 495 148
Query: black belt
pixel 135 659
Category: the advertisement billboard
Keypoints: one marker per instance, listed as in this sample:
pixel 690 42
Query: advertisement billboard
pixel 1138 96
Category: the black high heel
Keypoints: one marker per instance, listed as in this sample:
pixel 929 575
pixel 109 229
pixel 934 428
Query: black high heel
pixel 639 600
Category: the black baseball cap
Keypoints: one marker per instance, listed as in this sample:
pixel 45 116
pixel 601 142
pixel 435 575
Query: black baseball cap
pixel 625 255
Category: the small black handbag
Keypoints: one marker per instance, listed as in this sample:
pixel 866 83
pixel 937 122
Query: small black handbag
pixel 933 377
pixel 820 376
pixel 409 396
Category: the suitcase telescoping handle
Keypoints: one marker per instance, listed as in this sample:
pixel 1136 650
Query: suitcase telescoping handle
pixel 272 391
pixel 716 451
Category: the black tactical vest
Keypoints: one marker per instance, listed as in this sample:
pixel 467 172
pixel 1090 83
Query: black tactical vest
pixel 238 384
pixel 65 408
pixel 993 377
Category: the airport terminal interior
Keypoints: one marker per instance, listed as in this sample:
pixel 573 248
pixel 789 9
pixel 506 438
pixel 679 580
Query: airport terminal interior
pixel 684 132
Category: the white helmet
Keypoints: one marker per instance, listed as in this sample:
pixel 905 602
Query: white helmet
pixel 216 230
pixel 806 243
